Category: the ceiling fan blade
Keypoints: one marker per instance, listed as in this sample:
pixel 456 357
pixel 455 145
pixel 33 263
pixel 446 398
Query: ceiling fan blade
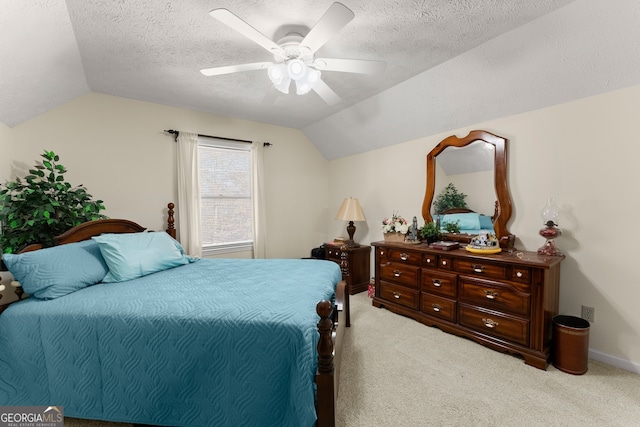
pixel 333 20
pixel 362 66
pixel 232 21
pixel 326 93
pixel 235 68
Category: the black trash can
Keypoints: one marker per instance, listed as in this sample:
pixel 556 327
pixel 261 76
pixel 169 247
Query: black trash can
pixel 570 344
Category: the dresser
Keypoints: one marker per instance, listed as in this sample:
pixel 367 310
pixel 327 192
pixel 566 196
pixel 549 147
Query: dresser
pixel 504 301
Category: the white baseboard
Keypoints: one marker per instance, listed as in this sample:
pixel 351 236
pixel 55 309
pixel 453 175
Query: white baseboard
pixel 615 361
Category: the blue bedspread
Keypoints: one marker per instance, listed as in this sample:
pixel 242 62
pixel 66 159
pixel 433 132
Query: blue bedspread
pixel 220 342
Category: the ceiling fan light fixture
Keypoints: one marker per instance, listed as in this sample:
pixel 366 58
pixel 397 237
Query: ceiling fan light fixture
pixel 296 69
pixel 279 77
pixel 305 84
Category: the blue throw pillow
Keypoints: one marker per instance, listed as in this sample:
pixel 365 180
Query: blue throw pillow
pixel 53 272
pixel 486 223
pixel 132 255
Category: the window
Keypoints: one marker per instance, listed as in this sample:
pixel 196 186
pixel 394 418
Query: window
pixel 226 195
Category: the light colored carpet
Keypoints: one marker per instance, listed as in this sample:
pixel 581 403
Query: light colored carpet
pixel 398 372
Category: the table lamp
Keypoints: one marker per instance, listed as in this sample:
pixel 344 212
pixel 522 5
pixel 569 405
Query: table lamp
pixel 350 210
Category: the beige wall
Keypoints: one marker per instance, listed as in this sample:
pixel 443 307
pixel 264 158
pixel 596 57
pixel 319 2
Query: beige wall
pixel 116 147
pixel 584 153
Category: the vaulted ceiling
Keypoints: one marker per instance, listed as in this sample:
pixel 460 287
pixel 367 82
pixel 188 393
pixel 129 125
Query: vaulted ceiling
pixel 54 51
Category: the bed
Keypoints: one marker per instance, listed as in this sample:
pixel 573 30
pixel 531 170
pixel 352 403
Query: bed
pixel 201 343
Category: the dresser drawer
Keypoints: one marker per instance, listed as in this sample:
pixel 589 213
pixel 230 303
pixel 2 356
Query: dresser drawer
pixel 520 274
pixel 445 262
pixel 481 268
pixel 439 283
pixel 400 273
pixel 442 308
pixel 513 329
pixel 430 260
pixel 405 257
pixel 399 294
pixel 496 296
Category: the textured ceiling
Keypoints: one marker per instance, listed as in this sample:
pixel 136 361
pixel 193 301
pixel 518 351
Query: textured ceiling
pixel 152 50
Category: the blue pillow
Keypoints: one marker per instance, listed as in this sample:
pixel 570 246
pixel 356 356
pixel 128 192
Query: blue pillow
pixel 53 272
pixel 133 255
pixel 466 221
pixel 486 223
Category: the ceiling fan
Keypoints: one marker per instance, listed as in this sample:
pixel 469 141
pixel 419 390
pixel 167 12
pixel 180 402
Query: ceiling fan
pixel 294 55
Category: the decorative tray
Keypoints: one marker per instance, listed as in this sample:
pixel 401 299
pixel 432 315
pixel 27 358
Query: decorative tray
pixel 483 250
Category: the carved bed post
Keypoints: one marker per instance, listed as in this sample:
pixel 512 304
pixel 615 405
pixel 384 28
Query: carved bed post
pixel 326 399
pixel 171 221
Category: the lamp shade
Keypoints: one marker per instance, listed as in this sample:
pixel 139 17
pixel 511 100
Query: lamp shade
pixel 350 210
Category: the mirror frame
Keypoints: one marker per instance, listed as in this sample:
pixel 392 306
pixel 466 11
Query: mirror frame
pixel 503 206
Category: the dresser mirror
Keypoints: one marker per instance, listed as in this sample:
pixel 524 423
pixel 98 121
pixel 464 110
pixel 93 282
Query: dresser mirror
pixel 477 166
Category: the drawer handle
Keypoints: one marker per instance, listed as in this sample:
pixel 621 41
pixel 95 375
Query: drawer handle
pixel 428 260
pixel 489 323
pixel 381 253
pixel 397 295
pixel 436 283
pixel 491 294
pixel 519 274
pixel 404 256
pixel 444 262
pixel 436 307
pixel 397 273
pixel 477 268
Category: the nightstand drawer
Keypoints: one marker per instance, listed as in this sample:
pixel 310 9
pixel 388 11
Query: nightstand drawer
pixel 495 296
pixel 442 308
pixel 400 273
pixel 439 283
pixel 399 294
pixel 513 329
pixel 333 253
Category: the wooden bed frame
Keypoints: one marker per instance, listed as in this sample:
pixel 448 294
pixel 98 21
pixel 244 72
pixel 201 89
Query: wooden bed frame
pixel 331 326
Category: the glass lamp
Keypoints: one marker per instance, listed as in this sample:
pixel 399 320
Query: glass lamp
pixel 350 210
pixel 550 215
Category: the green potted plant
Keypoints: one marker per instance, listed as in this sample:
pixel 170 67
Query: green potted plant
pixel 449 198
pixel 42 205
pixel 452 227
pixel 430 232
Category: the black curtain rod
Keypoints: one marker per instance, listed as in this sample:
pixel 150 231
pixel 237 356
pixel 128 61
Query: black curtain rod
pixel 176 133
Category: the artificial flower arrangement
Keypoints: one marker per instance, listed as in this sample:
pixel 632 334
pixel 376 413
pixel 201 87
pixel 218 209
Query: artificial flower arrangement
pixel 395 224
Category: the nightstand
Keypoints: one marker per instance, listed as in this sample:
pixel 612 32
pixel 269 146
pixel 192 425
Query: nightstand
pixel 354 263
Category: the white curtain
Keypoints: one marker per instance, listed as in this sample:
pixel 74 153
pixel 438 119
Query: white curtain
pixel 189 194
pixel 259 220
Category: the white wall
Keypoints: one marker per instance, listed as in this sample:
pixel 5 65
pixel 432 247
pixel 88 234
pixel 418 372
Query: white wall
pixel 116 147
pixel 585 153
